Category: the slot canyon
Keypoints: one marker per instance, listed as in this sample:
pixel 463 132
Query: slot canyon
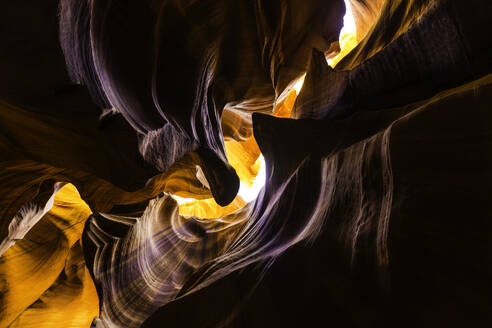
pixel 245 163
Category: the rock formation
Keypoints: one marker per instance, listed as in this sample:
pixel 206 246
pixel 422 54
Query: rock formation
pixel 130 130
